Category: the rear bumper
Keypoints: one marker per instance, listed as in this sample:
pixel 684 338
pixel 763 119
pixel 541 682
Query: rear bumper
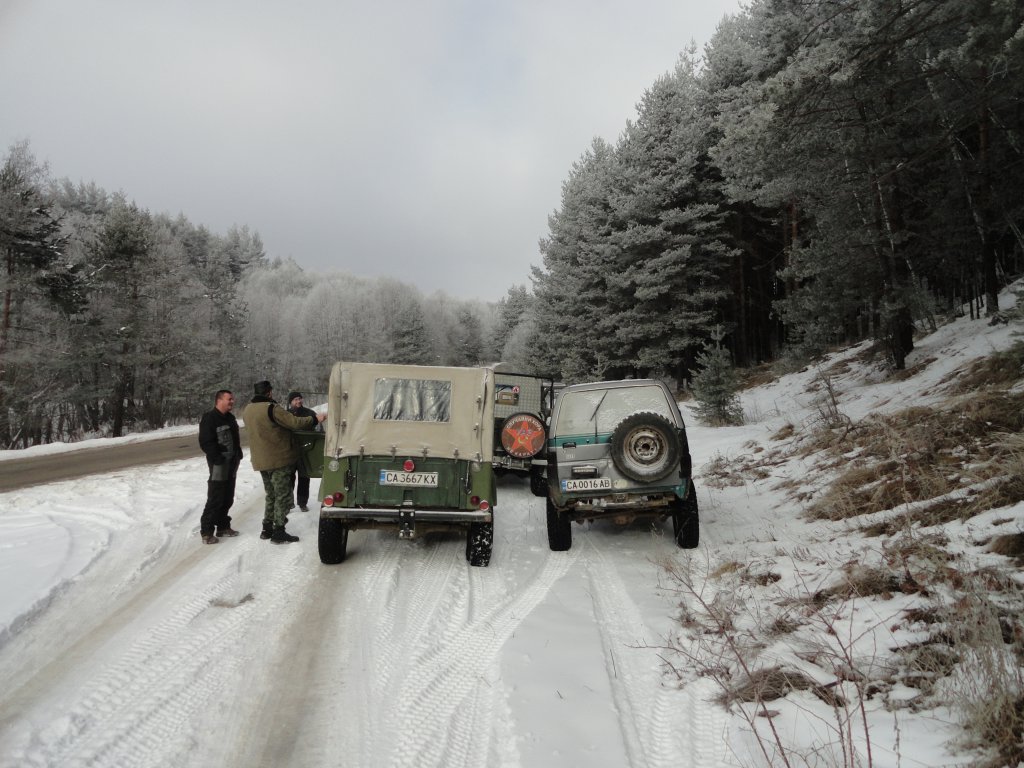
pixel 400 515
pixel 611 502
pixel 511 463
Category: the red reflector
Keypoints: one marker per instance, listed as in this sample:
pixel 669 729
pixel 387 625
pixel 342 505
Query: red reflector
pixel 329 501
pixel 474 500
pixel 408 466
pixel 485 505
pixel 338 496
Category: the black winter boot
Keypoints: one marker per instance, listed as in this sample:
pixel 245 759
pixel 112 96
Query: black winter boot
pixel 281 536
pixel 268 530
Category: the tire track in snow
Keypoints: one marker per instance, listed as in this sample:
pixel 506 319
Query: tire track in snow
pixel 400 594
pixel 676 731
pixel 138 709
pixel 444 700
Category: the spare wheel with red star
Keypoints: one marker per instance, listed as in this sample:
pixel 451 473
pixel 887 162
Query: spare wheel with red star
pixel 522 435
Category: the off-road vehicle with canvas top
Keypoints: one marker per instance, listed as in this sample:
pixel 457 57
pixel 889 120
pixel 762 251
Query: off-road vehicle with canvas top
pixel 407 448
pixel 618 450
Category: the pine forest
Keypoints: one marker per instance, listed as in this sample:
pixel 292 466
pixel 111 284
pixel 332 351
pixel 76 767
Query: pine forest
pixel 823 172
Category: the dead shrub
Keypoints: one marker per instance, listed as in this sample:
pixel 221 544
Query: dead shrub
pixel 775 683
pixel 785 432
pixel 761 579
pixel 983 626
pixel 730 566
pixel 925 665
pixel 783 625
pixel 865 581
pixel 720 473
pixel 1008 545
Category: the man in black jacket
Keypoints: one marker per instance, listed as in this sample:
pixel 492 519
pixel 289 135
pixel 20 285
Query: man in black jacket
pixel 218 437
pixel 296 407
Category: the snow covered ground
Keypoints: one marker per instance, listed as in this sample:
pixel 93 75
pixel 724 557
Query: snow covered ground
pixel 125 642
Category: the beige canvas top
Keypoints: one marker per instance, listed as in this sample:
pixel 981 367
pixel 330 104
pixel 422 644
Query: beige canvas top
pixel 410 410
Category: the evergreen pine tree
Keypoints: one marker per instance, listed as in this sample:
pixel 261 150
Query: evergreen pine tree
pixel 715 386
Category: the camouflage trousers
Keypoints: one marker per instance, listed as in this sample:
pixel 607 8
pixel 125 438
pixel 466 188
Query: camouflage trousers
pixel 277 483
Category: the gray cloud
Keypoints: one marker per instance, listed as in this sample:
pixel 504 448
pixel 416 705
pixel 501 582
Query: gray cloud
pixel 425 141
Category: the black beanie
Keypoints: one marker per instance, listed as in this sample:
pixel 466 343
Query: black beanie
pixel 292 396
pixel 262 388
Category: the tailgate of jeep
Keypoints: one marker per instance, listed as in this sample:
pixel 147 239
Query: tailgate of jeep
pixel 427 483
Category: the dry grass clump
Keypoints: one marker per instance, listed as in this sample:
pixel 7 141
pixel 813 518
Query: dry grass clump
pixel 1000 369
pixel 1003 493
pixel 720 473
pixel 867 581
pixel 757 376
pixel 1008 545
pixel 785 432
pixel 770 684
pixel 927 453
pixel 999 725
pixel 990 638
pixel 925 665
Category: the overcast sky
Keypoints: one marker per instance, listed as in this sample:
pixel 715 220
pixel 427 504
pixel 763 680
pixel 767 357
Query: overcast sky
pixel 423 140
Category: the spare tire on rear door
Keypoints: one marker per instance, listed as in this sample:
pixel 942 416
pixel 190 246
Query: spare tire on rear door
pixel 523 435
pixel 645 447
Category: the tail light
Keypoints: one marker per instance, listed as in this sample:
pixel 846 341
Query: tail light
pixel 409 465
pixel 482 504
pixel 334 498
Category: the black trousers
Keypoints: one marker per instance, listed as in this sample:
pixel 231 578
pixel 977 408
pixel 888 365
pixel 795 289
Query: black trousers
pixel 301 484
pixel 220 495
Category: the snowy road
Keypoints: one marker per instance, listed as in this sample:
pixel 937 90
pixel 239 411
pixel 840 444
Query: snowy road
pixel 125 643
pixel 164 652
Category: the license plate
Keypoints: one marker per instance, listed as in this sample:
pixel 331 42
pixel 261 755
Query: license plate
pixel 588 484
pixel 409 479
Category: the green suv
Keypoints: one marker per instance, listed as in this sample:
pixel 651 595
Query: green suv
pixel 617 450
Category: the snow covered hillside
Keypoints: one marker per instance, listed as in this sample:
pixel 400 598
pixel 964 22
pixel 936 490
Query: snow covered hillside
pixel 125 642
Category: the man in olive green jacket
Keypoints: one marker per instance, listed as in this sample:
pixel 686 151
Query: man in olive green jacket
pixel 273 455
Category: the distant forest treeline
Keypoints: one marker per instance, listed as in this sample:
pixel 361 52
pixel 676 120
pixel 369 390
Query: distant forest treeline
pixel 115 319
pixel 826 172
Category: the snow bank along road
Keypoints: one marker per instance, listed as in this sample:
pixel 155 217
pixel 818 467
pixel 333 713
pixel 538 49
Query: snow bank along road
pixel 165 652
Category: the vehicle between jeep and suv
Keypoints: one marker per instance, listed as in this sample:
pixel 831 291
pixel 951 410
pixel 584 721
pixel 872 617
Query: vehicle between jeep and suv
pixel 618 450
pixel 407 448
pixel 522 406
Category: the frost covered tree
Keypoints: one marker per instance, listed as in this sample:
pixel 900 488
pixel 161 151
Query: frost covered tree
pixel 673 245
pixel 576 329
pixel 514 309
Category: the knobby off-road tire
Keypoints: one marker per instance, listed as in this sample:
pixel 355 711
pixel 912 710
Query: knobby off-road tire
pixel 479 542
pixel 559 528
pixel 332 541
pixel 686 521
pixel 645 447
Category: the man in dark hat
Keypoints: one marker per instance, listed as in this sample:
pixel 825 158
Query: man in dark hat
pixel 300 480
pixel 274 456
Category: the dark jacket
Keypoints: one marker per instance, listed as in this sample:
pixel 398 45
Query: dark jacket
pixel 304 411
pixel 270 428
pixel 219 440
